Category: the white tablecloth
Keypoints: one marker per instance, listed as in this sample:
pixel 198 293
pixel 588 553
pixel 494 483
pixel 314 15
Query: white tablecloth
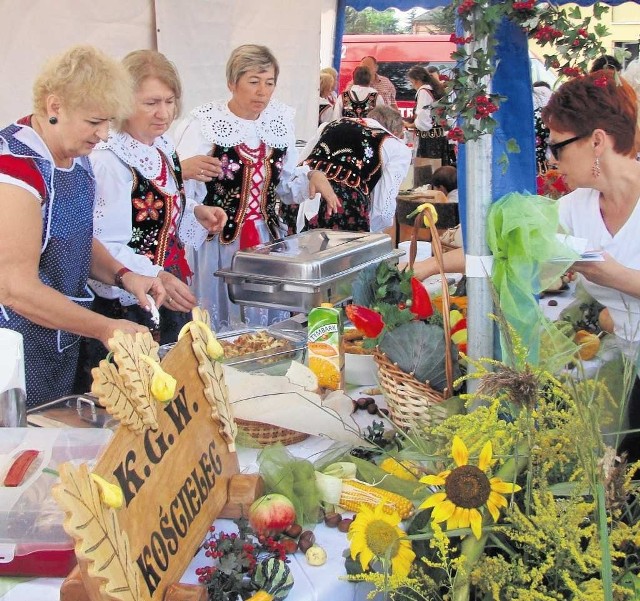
pixel 311 583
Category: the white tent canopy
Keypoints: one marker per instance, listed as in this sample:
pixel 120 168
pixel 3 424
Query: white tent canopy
pixel 197 35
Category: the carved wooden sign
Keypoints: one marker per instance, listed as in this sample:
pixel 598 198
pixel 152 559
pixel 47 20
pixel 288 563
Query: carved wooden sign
pixel 173 463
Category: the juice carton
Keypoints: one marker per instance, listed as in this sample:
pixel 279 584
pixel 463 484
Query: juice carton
pixel 326 356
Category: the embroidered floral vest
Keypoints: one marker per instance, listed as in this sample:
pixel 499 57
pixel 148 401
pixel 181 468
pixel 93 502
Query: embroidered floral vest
pixel 231 189
pixel 153 211
pixel 349 152
pixel 352 107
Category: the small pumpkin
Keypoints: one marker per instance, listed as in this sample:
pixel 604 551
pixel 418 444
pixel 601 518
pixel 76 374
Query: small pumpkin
pixel 273 577
pixel 588 343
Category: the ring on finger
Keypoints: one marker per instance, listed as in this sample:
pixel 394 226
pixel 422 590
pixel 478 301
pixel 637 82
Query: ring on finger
pixel 201 172
pixel 170 300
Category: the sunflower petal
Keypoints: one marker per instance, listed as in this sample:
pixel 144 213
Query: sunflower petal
pixel 498 485
pixel 493 510
pixel 497 499
pixel 475 519
pixel 366 557
pixel 443 511
pixel 433 480
pixel 484 462
pixel 454 521
pixel 433 500
pixel 459 451
pixel 463 518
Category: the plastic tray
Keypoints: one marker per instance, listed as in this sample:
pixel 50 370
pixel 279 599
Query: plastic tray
pixel 32 539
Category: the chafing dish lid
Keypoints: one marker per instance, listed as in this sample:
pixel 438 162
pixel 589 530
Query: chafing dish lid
pixel 311 256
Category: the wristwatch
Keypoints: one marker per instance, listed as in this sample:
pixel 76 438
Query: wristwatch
pixel 119 274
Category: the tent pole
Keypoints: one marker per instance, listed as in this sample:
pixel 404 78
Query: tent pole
pixel 479 193
pixel 480 305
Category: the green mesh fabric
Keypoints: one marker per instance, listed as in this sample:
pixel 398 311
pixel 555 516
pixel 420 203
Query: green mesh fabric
pixel 521 233
pixel 292 477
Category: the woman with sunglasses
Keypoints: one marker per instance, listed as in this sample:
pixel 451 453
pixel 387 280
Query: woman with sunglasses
pixel 593 137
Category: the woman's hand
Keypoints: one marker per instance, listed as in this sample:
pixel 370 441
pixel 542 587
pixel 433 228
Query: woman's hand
pixel 319 184
pixel 141 285
pixel 124 325
pixel 201 167
pixel 179 296
pixel 604 273
pixel 213 219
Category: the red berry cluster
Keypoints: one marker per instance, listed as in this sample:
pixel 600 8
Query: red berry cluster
pixel 484 107
pixel 466 6
pixel 601 82
pixel 524 5
pixel 454 39
pixel 235 557
pixel 456 134
pixel 570 71
pixel 546 33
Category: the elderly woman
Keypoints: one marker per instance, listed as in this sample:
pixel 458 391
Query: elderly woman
pixel 47 248
pixel 142 215
pixel 252 141
pixel 593 128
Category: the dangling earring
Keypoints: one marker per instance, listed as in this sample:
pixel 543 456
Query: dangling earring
pixel 53 120
pixel 596 168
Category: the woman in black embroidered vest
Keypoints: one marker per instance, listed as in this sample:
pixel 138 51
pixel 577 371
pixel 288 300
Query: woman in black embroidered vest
pixel 433 149
pixel 252 140
pixel 360 98
pixel 365 161
pixel 142 215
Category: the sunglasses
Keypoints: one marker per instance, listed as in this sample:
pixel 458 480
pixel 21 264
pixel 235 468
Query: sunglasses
pixel 553 149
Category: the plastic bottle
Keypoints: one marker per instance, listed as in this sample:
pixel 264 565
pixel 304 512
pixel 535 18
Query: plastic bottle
pixel 325 350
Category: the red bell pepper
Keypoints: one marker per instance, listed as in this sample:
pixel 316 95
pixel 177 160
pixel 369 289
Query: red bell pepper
pixel 421 305
pixel 366 320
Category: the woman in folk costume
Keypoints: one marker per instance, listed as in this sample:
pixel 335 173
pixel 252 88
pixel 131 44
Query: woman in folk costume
pixel 142 215
pixel 47 193
pixel 365 160
pixel 433 149
pixel 360 98
pixel 252 141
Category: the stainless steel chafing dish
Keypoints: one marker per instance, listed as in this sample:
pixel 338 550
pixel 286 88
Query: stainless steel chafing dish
pixel 302 271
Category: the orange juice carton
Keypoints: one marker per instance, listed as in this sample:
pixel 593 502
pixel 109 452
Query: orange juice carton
pixel 324 346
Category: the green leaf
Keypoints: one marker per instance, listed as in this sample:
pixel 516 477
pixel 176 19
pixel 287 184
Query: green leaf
pixel 512 146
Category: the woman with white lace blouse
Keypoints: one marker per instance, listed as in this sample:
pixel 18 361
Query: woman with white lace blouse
pixel 142 215
pixel 249 143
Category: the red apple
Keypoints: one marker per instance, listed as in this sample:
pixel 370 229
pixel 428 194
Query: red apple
pixel 271 514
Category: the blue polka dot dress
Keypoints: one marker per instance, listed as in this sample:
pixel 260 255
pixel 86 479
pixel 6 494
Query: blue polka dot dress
pixel 51 356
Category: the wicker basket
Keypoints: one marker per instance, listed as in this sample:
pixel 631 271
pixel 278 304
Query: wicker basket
pixel 410 401
pixel 266 434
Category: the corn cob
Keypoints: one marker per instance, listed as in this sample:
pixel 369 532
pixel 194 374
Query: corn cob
pixel 405 470
pixel 355 494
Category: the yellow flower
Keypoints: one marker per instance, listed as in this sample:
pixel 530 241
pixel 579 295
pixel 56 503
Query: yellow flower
pixel 110 494
pixel 214 348
pixel 421 208
pixel 375 534
pixel 163 385
pixel 466 489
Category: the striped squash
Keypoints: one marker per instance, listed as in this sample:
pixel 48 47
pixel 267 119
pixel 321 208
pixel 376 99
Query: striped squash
pixel 274 577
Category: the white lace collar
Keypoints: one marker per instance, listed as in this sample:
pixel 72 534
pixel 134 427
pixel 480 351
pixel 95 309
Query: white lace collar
pixel 220 126
pixel 146 159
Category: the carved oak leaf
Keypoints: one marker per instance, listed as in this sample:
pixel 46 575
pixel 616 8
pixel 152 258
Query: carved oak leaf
pixel 112 393
pixel 135 373
pixel 99 538
pixel 214 389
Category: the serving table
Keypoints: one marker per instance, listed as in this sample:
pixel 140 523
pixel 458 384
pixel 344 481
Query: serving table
pixel 311 583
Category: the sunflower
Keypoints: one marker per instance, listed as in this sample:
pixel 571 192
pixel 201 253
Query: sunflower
pixel 466 489
pixel 375 534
